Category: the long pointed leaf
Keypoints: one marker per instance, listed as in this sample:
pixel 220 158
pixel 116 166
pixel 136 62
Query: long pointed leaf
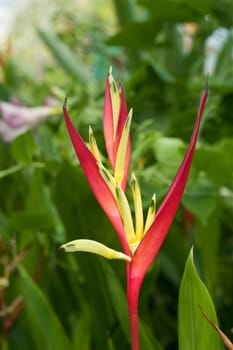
pixel 194 331
pixel 45 327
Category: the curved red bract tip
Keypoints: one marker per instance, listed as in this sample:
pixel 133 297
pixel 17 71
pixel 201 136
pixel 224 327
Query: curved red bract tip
pixel 156 234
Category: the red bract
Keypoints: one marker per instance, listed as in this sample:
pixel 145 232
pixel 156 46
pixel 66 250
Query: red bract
pixel 96 181
pixel 153 239
pixel 156 234
pixel 140 242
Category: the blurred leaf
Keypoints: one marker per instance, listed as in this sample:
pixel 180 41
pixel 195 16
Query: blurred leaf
pixel 23 220
pixel 194 331
pixel 81 333
pixel 50 153
pixel 43 324
pixel 136 35
pixel 38 196
pixel 208 249
pixel 125 10
pixel 118 297
pixel 177 10
pixel 167 150
pixel 173 255
pixel 224 60
pixel 23 147
pixel 215 163
pixel 147 339
pixel 11 170
pixel 64 56
pixel 200 198
pixel 161 70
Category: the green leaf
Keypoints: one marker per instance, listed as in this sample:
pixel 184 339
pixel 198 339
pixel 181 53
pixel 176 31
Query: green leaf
pixel 224 67
pixel 200 199
pixel 50 153
pixel 64 56
pixel 29 219
pixel 168 150
pixel 194 331
pixel 43 324
pixel 81 333
pixel 23 147
pixel 118 298
pixel 11 170
pixel 214 161
pixel 182 10
pixel 136 35
pixel 210 262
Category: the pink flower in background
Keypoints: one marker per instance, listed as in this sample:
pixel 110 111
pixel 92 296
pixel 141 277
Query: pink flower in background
pixel 16 119
pixel 141 238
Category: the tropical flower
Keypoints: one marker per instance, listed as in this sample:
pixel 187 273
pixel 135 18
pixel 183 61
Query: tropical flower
pixel 17 119
pixel 140 239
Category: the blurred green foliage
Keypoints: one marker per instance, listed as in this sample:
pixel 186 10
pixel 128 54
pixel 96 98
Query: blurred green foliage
pixel 78 301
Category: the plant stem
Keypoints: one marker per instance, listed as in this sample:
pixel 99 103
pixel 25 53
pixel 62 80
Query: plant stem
pixel 133 288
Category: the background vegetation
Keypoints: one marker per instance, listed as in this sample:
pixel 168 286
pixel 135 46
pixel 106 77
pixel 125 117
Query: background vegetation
pixel 159 50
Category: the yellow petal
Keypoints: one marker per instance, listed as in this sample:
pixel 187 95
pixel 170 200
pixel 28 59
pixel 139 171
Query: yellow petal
pixel 126 216
pixel 121 152
pixel 93 146
pixel 134 246
pixel 137 207
pixel 89 246
pixel 116 101
pixel 151 214
pixel 108 178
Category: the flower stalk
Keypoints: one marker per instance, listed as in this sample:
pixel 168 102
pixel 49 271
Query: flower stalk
pixel 140 239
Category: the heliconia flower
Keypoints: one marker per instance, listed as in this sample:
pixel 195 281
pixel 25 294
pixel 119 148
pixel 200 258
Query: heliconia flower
pixel 141 239
pixel 16 119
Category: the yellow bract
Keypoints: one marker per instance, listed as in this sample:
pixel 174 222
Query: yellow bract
pixel 108 178
pixel 116 101
pixel 122 148
pixel 93 146
pixel 137 198
pixel 151 214
pixel 126 216
pixel 90 246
